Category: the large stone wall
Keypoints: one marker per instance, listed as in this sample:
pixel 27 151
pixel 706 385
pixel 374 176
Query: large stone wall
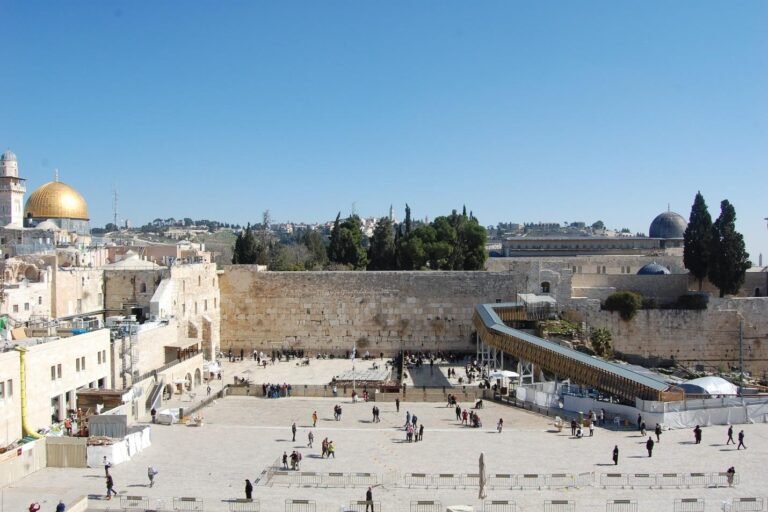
pixel 378 311
pixel 664 288
pixel 709 338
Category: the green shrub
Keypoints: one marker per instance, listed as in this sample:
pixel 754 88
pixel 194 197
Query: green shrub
pixel 601 342
pixel 626 303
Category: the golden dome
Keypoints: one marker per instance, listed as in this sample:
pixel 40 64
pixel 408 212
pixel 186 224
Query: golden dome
pixel 56 200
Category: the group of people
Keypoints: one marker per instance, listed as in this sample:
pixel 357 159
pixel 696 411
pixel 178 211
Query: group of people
pixel 412 431
pixel 466 417
pixel 276 390
pixel 295 459
pixel 337 412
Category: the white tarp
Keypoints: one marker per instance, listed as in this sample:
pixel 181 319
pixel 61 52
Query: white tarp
pixel 119 452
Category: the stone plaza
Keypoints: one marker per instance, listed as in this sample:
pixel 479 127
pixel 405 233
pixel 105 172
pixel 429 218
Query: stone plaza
pixel 244 437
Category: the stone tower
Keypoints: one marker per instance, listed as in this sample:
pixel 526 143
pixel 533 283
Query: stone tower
pixel 12 191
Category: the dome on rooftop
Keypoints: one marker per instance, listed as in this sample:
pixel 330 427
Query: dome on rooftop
pixel 653 269
pixel 668 225
pixel 56 200
pixel 8 156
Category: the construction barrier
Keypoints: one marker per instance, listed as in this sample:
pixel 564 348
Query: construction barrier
pixel 696 480
pixel 426 506
pixel 472 480
pixel 530 481
pixel 614 480
pixel 559 506
pixel 300 506
pixel 244 505
pixel 747 505
pixel 560 481
pixel 131 502
pixel 418 480
pixel 310 479
pixel 335 480
pixel 669 480
pixel 721 479
pixel 645 480
pixel 499 506
pixel 621 506
pixel 449 480
pixel 689 505
pixel 502 481
pixel 188 504
pixel 362 505
pixel 363 479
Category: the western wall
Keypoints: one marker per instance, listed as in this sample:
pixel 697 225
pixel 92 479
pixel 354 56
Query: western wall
pixel 331 312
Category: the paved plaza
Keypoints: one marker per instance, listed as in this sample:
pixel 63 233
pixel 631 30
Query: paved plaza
pixel 244 437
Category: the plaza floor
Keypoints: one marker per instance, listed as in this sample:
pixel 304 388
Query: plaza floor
pixel 244 436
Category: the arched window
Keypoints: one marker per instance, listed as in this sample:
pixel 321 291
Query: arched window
pixel 143 288
pixel 545 287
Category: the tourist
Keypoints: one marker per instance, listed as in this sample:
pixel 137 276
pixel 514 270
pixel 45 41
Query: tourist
pixel 314 418
pixel 730 436
pixel 61 507
pixel 331 450
pixel 151 472
pixel 407 418
pixel 285 460
pixel 616 455
pixel 110 487
pixel 579 432
pixel 397 405
pixel 573 427
pixel 741 441
pixel 107 465
pixel 68 426
pixel 458 413
pixel 208 389
pixel 649 446
pixel 413 420
pixel 729 475
pixel 591 428
pixel 421 432
pixel 657 431
pixel 293 431
pixel 639 420
pixel 500 425
pixel 602 416
pixel 369 499
pixel 697 434
pixel 464 417
pixel 335 391
pixel 409 432
pixel 248 489
pixel 373 412
pixel 339 412
pixel 311 438
pixel 642 429
pixel 325 448
pixel 153 413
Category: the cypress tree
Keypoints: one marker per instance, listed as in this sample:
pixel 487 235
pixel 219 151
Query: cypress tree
pixel 729 259
pixel 697 239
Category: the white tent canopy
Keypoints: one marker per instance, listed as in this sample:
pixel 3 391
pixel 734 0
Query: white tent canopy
pixel 500 374
pixel 711 385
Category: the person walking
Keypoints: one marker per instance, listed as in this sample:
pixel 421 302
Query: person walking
pixel 729 475
pixel 331 450
pixel 573 427
pixel 151 472
pixel 285 460
pixel 741 441
pixel 107 465
pixel 642 429
pixel 591 428
pixel 602 416
pixel 649 446
pixel 407 417
pixel 110 487
pixel 421 432
pixel 499 425
pixel 153 413
pixel 314 419
pixel 311 438
pixel 61 507
pixel 325 448
pixel 616 455
pixel 458 412
pixel 293 431
pixel 657 431
pixel 248 490
pixel 369 499
pixel 730 436
pixel 397 405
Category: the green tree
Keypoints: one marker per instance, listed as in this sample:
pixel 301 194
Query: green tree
pixel 346 245
pixel 408 223
pixel 381 251
pixel 697 240
pixel 626 303
pixel 601 342
pixel 318 254
pixel 334 247
pixel 598 225
pixel 729 259
pixel 246 249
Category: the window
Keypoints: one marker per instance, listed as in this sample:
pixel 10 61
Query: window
pixel 58 371
pixel 183 309
pixel 53 372
pixel 79 305
pixel 199 281
pixel 195 307
pixel 9 388
pixel 205 305
pixel 40 301
pixel 77 364
pixel 143 288
pixel 2 390
pixel 214 303
pixel 26 306
pixel 545 287
pixel 82 363
pixel 98 357
pixel 15 308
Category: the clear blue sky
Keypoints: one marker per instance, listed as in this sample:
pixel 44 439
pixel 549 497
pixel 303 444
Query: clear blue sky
pixel 523 111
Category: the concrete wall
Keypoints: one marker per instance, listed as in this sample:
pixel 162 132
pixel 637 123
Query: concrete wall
pixel 198 304
pixel 709 337
pixel 126 288
pixel 26 300
pixel 10 402
pixel 664 288
pixel 614 264
pixel 77 291
pixel 378 311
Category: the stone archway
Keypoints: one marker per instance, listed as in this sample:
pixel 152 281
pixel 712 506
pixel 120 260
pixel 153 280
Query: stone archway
pixel 198 377
pixel 188 381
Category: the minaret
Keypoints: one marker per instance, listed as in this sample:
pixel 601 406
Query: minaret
pixel 12 191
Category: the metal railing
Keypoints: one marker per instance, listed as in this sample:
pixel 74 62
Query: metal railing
pixel 746 505
pixel 300 506
pixel 364 506
pixel 426 506
pixel 689 505
pixel 559 506
pixel 188 504
pixel 621 506
pixel 131 502
pixel 244 505
pixel 499 506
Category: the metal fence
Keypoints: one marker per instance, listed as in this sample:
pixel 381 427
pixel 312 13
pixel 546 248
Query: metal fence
pixel 499 506
pixel 244 505
pixel 315 479
pixel 614 480
pixel 300 506
pixel 664 480
pixel 131 502
pixel 188 504
pixel 418 480
pixel 559 506
pixel 621 506
pixel 746 505
pixel 426 506
pixel 689 505
pixel 364 506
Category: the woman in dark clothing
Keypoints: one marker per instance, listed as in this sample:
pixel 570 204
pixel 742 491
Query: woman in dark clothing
pixel 248 489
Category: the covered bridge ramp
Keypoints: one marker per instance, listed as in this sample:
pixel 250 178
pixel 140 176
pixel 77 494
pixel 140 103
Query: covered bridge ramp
pixel 612 379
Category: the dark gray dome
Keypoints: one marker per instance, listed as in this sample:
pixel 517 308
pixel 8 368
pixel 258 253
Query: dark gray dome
pixel 653 269
pixel 668 225
pixel 8 156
